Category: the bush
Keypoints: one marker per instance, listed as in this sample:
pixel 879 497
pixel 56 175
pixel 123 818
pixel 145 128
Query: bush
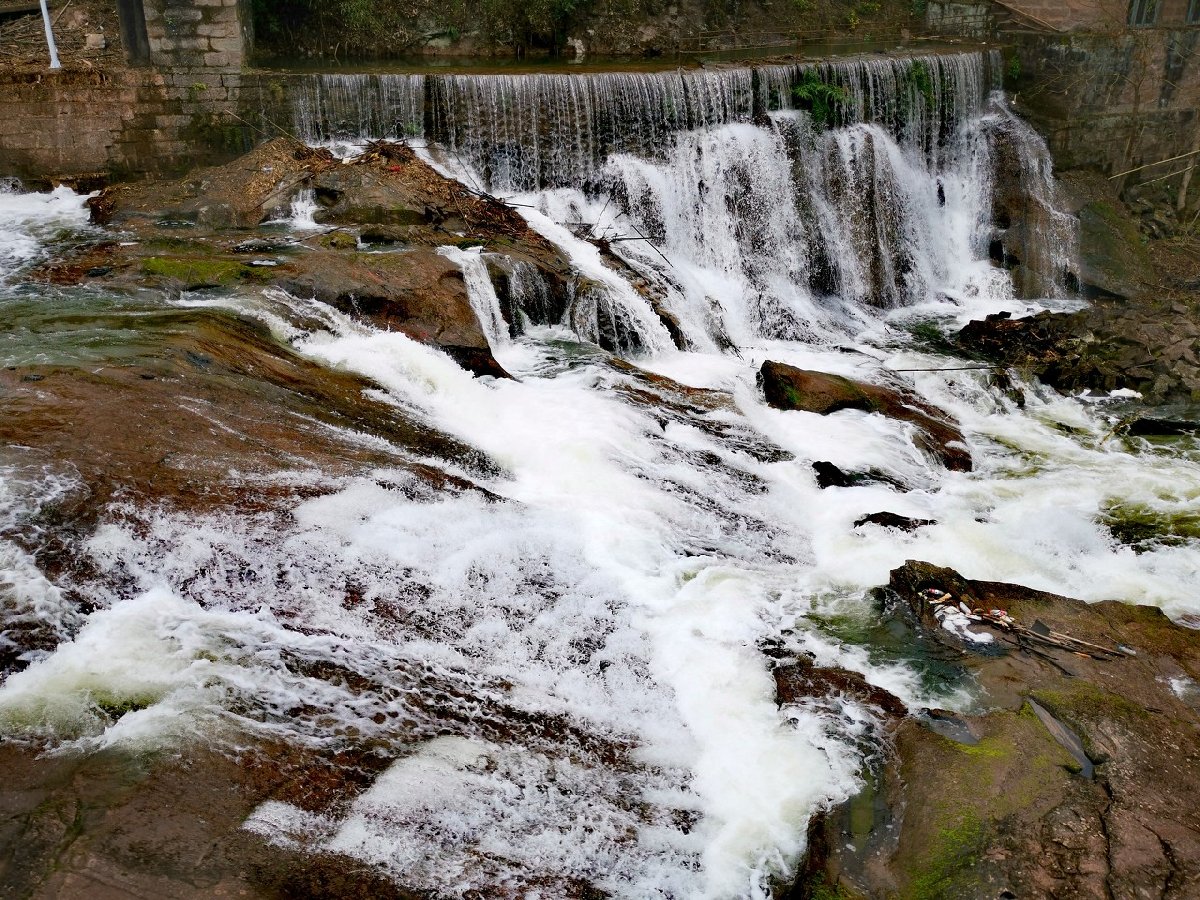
pixel 825 102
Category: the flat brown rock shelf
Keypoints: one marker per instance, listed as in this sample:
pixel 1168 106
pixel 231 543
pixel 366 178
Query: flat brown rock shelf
pixel 196 395
pixel 1078 781
pixel 111 826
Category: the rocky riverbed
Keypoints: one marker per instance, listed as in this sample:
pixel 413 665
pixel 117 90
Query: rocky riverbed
pixel 243 445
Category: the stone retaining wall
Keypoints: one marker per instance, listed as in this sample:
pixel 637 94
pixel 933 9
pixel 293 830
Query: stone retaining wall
pixel 178 111
pixel 124 124
pixel 1112 102
pixel 198 34
pixel 1096 15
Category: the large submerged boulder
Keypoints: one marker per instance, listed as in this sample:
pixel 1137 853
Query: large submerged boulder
pixel 1076 783
pixel 787 387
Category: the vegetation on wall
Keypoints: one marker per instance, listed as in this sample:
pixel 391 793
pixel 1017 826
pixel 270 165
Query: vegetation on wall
pixel 380 27
pixel 370 28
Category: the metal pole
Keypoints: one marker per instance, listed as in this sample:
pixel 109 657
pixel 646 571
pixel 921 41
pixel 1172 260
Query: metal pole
pixel 54 63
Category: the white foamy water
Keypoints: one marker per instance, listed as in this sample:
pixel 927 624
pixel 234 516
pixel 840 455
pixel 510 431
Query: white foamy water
pixel 304 207
pixel 484 301
pixel 27 221
pixel 561 680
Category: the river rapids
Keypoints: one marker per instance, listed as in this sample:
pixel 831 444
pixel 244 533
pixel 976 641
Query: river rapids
pixel 559 675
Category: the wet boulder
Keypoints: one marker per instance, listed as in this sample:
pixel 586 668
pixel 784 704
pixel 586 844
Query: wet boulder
pixel 800 680
pixel 246 192
pixel 419 293
pixel 356 195
pixel 787 387
pixel 829 476
pixel 894 521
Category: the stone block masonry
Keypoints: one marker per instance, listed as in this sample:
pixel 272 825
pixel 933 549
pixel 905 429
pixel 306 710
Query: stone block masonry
pixel 191 34
pixel 1110 98
pixel 127 123
pixel 175 107
pixel 1097 15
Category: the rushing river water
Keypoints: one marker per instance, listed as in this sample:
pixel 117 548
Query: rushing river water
pixel 566 677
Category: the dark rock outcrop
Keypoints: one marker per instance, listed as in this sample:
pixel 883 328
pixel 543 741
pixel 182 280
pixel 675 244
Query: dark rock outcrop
pixel 829 475
pixel 798 680
pixel 893 520
pixel 1141 331
pixel 786 387
pixel 1152 347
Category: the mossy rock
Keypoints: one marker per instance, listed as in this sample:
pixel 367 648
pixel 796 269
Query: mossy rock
pixel 198 273
pixel 1144 528
pixel 338 240
pixel 970 796
pixel 1113 256
pixel 1083 704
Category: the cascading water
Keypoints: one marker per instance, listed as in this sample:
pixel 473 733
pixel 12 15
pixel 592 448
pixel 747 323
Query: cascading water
pixel 535 131
pixel 741 184
pixel 557 683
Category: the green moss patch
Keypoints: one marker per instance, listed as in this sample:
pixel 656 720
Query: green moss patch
pixel 1082 703
pixel 115 708
pixel 964 796
pixel 948 869
pixel 198 273
pixel 1145 527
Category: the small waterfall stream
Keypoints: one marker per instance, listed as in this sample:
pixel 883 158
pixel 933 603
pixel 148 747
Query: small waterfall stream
pixel 560 678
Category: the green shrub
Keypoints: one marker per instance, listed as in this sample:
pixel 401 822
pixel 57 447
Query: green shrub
pixel 825 102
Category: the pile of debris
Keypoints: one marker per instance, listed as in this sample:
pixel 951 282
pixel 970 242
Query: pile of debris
pixel 87 33
pixel 957 617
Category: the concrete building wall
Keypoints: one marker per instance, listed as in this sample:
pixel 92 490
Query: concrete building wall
pixel 1095 15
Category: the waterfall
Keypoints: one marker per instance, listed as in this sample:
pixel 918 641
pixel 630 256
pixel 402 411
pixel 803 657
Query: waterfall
pixel 539 662
pixel 538 130
pixel 327 106
pixel 787 198
pixel 482 293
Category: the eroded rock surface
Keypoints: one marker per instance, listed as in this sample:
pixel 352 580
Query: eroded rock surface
pixel 389 211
